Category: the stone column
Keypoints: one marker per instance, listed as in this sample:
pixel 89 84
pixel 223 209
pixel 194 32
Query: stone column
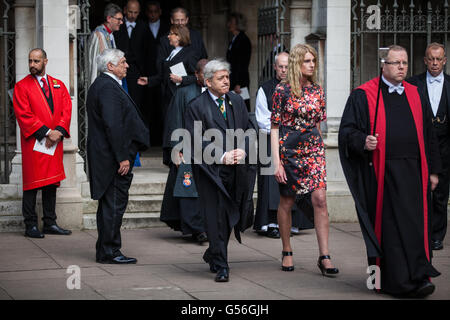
pixel 25 40
pixel 52 26
pixel 340 202
pixel 300 17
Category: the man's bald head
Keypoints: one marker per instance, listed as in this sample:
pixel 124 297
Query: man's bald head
pixel 132 10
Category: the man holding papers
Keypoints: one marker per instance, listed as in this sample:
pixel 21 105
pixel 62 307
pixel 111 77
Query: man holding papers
pixel 43 110
pixel 177 69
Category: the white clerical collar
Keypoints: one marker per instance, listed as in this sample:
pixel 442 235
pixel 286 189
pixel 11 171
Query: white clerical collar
pixel 214 97
pixel 390 84
pixel 431 79
pixel 112 75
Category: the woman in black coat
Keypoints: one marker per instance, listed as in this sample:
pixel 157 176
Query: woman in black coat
pixel 179 38
pixel 238 54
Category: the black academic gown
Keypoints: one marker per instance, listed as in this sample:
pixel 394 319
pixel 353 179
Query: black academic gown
pixel 224 190
pixel 179 213
pixel 401 254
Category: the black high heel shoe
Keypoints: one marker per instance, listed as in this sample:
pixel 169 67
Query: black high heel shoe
pixel 284 254
pixel 328 272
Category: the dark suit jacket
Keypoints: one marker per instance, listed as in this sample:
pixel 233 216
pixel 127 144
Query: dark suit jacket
pixel 211 186
pixel 116 132
pixel 239 58
pixel 154 45
pixel 188 58
pixel 421 82
pixel 197 46
pixel 136 48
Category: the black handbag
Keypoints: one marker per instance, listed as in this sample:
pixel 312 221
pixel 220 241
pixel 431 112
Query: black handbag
pixel 184 183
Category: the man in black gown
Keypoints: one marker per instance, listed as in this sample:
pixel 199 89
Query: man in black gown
pixel 435 86
pixel 391 175
pixel 223 182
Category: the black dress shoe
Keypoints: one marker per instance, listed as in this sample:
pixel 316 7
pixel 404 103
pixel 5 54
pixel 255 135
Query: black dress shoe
pixel 437 245
pixel 118 260
pixel 425 289
pixel 222 275
pixel 55 229
pixel 273 233
pixel 200 237
pixel 33 232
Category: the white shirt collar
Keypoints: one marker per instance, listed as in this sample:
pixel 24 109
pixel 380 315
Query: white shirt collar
pixel 440 76
pixel 156 24
pixel 128 23
pixel 390 84
pixel 112 75
pixel 40 77
pixel 214 97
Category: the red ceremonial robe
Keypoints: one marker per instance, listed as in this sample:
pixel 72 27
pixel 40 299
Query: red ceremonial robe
pixel 32 112
pixel 379 153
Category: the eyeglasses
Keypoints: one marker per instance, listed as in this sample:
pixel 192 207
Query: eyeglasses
pixel 118 19
pixel 397 63
pixel 438 120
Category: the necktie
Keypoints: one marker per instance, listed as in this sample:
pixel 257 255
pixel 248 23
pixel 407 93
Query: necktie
pixel 45 87
pixel 399 89
pixel 130 27
pixel 222 107
pixel 435 79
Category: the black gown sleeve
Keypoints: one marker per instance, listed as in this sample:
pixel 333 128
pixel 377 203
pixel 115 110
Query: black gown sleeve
pixel 354 124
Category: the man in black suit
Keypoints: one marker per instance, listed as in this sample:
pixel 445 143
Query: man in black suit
pixel 222 179
pixel 180 16
pixel 238 54
pixel 132 38
pixel 435 85
pixel 116 133
pixel 158 28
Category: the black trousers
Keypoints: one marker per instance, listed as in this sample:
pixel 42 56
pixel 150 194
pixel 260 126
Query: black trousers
pixel 48 204
pixel 111 208
pixel 440 202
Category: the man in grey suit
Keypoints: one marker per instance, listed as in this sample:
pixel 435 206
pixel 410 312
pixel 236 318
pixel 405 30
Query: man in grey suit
pixel 434 84
pixel 116 133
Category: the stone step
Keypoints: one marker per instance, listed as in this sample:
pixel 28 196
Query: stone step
pixel 130 221
pixel 11 223
pixel 136 204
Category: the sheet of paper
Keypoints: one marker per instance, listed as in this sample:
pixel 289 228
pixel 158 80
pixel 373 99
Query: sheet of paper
pixel 39 146
pixel 179 70
pixel 244 93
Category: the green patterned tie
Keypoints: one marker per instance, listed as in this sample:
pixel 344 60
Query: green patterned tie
pixel 222 107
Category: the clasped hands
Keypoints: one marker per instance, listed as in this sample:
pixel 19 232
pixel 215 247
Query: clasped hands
pixel 143 81
pixel 233 157
pixel 52 138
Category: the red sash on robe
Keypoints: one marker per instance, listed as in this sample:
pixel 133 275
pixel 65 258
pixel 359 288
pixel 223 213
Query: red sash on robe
pixel 379 154
pixel 32 112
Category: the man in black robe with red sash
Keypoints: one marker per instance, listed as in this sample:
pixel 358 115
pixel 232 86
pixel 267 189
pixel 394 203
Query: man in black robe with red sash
pixel 391 174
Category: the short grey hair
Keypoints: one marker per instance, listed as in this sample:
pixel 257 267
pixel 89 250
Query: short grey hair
pixel 215 65
pixel 108 56
pixel 111 10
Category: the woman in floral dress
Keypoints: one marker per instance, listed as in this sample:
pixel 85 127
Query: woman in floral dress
pixel 298 150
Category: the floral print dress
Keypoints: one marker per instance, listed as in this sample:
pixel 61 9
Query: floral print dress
pixel 302 151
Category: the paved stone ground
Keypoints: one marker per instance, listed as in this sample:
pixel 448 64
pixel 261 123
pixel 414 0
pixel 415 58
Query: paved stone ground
pixel 170 267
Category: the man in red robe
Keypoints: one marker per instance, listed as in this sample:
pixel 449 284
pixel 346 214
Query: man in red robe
pixel 43 109
pixel 391 174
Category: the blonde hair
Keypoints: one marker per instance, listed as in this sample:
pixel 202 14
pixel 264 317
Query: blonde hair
pixel 296 59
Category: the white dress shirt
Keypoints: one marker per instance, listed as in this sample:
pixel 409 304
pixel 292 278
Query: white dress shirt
pixel 262 112
pixel 217 104
pixel 435 86
pixel 154 27
pixel 173 53
pixel 39 80
pixel 112 75
pixel 130 27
